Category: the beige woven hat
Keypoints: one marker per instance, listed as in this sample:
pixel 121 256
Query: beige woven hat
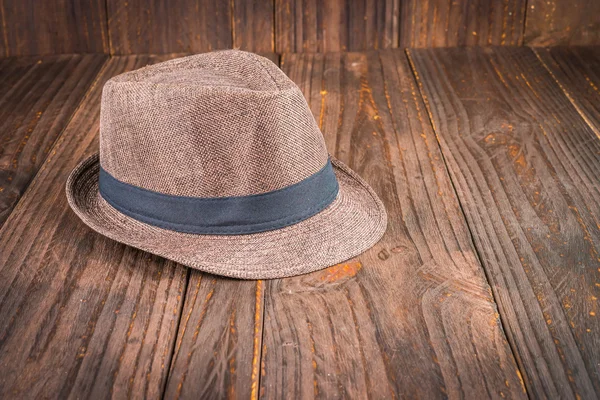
pixel 215 161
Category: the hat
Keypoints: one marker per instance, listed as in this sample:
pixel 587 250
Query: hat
pixel 216 162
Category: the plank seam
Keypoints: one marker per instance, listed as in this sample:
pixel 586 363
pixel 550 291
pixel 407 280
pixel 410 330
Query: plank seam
pixel 464 217
pixel 566 92
pixel 108 36
pixel 258 344
pixel 524 30
pixel 4 33
pixel 176 332
pixel 59 139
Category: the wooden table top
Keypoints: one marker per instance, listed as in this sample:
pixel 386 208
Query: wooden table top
pixel 485 284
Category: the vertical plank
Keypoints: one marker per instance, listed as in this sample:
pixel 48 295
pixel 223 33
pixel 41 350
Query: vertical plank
pixel 38 95
pixel 555 22
pixel 447 23
pixel 53 27
pixel 526 167
pixel 335 25
pixel 253 28
pixel 577 72
pixel 81 316
pixel 413 317
pixel 157 26
pixel 217 352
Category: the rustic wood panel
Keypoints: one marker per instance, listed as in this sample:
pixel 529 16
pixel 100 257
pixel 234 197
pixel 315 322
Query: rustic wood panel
pixel 158 26
pixel 526 167
pixel 217 353
pixel 413 317
pixel 559 22
pixel 447 23
pixel 81 316
pixel 577 71
pixel 53 27
pixel 253 25
pixel 37 98
pixel 335 25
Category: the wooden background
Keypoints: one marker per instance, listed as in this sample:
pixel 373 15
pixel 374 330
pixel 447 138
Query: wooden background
pixel 156 26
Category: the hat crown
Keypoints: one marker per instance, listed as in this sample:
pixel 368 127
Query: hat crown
pixel 227 123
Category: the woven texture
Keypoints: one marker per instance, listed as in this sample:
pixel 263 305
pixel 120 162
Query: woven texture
pixel 221 124
pixel 201 125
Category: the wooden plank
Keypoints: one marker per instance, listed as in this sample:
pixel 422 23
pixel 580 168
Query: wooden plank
pixel 253 28
pixel 577 72
pixel 217 353
pixel 526 168
pixel 37 98
pixel 217 348
pixel 157 26
pixel 53 26
pixel 413 317
pixel 335 25
pixel 81 316
pixel 445 23
pixel 556 22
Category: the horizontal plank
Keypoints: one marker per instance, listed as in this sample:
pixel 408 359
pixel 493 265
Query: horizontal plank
pixel 526 167
pixel 38 96
pixel 81 316
pixel 413 317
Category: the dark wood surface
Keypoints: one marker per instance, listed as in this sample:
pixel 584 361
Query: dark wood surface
pixel 488 163
pixel 446 23
pixel 253 25
pixel 577 71
pixel 526 167
pixel 38 95
pixel 337 25
pixel 81 315
pixel 560 22
pixel 414 316
pixel 52 27
pixel 158 26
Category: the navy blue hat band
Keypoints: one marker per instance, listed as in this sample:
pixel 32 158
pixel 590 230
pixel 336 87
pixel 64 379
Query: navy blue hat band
pixel 223 215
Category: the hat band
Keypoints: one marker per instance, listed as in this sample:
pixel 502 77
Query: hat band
pixel 223 215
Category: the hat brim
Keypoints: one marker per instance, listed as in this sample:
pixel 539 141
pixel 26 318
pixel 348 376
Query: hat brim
pixel 354 222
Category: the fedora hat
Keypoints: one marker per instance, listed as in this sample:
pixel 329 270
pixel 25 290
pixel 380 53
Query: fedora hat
pixel 216 162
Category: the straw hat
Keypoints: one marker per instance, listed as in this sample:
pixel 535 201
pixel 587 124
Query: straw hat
pixel 215 161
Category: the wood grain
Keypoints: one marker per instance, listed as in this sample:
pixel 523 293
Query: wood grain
pixel 81 316
pixel 556 22
pixel 447 23
pixel 253 25
pixel 413 317
pixel 577 72
pixel 38 96
pixel 335 25
pixel 526 167
pixel 157 26
pixel 215 349
pixel 52 27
